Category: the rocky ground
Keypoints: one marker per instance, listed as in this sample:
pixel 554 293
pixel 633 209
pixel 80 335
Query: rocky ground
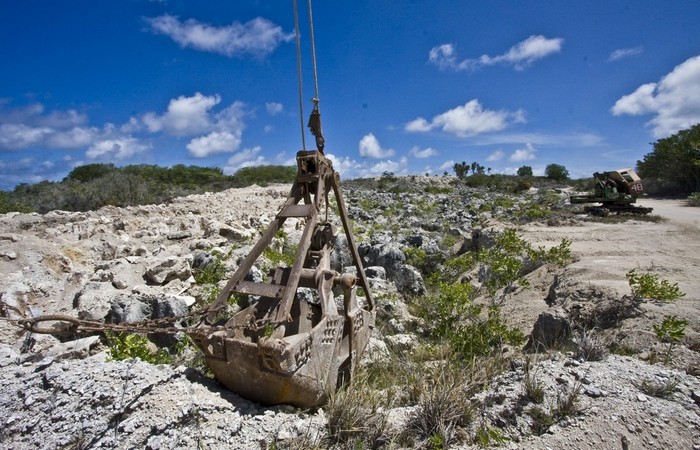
pixel 135 263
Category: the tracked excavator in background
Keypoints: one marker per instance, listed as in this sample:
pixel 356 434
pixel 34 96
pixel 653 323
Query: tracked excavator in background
pixel 616 191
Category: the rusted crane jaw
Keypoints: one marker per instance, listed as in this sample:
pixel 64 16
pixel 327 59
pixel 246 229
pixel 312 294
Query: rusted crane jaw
pixel 284 348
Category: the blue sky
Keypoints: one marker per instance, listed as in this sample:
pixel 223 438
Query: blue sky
pixel 408 87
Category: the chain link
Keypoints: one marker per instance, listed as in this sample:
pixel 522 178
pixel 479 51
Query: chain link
pixel 64 323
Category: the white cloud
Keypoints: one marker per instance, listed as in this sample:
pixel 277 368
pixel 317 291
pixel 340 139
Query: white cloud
pixel 520 56
pixel 621 53
pixel 424 153
pixel 273 108
pixel 213 143
pixel 418 125
pixel 523 154
pixel 258 37
pixel 77 137
pixel 468 120
pixel 185 115
pixel 396 167
pixel 447 165
pixel 15 136
pixel 117 148
pixel 674 100
pixel 345 166
pixel 248 157
pixel 495 156
pixel 30 126
pixel 369 147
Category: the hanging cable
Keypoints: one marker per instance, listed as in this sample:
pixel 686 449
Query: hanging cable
pixel 301 101
pixel 313 57
pixel 315 117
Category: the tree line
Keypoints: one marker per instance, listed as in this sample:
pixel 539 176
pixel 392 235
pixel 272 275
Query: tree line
pixel 92 186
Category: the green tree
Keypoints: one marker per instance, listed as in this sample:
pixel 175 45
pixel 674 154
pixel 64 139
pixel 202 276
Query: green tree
pixel 90 172
pixel 525 171
pixel 675 159
pixel 556 172
pixel 461 169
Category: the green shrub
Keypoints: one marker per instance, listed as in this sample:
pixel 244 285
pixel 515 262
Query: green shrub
pixel 694 199
pixel 541 420
pixel 132 345
pixel 505 262
pixel 670 331
pixel 8 205
pixel 559 254
pixel 454 318
pixel 523 185
pixel 659 388
pixel 212 273
pixel 651 287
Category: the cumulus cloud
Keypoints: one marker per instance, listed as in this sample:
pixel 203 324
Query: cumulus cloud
pixel 30 126
pixel 187 116
pixel 258 37
pixel 117 148
pixel 273 108
pixel 523 154
pixel 369 147
pixel 184 116
pixel 469 119
pixel 520 56
pixel 213 143
pixel 447 165
pixel 674 101
pixel 396 167
pixel 419 153
pixel 495 156
pixel 621 53
pixel 248 157
pixel 345 165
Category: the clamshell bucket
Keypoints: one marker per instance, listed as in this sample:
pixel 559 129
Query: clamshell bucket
pixel 289 346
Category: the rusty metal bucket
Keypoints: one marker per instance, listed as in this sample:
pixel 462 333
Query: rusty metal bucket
pixel 285 347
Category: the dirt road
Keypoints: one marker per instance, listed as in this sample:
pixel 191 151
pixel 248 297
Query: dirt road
pixel 676 211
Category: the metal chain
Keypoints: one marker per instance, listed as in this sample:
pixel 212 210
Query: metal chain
pixel 165 325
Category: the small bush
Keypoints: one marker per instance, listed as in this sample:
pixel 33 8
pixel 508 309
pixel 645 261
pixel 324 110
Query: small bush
pixel 442 409
pixel 559 254
pixel 694 199
pixel 568 401
pixel 589 346
pixel 487 437
pixel 649 286
pixel 7 205
pixel 212 273
pixel 354 416
pixel 131 345
pixel 671 331
pixel 534 389
pixel 659 388
pixel 541 420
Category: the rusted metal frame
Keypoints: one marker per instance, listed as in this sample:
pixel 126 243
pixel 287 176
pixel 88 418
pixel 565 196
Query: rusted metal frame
pixel 351 240
pixel 294 198
pixel 283 313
